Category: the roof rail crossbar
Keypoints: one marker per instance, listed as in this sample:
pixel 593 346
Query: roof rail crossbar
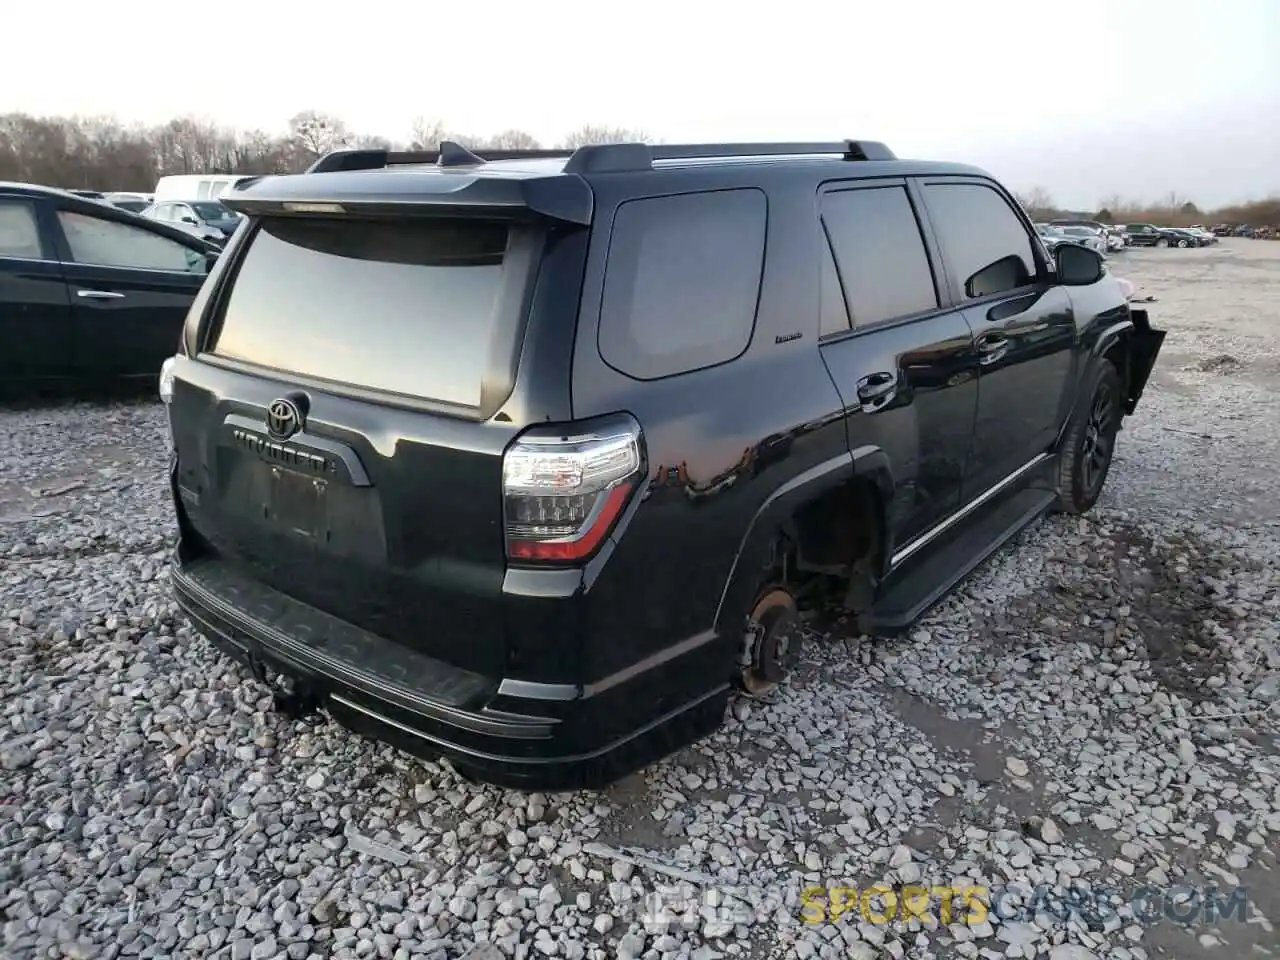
pixel 346 160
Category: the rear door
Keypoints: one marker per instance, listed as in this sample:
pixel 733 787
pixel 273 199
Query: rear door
pixel 1024 324
pixel 901 356
pixel 130 290
pixel 393 344
pixel 36 326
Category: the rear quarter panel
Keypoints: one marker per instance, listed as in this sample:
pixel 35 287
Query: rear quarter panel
pixel 720 441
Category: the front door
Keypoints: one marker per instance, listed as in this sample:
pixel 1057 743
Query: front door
pixel 130 290
pixel 36 324
pixel 1024 325
pixel 902 358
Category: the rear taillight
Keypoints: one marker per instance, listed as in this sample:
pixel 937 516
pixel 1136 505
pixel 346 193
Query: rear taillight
pixel 564 492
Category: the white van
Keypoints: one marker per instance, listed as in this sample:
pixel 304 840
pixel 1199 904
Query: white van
pixel 197 186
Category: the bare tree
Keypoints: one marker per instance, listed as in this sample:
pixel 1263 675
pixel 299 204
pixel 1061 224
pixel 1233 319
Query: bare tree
pixel 101 153
pixel 317 133
pixel 512 140
pixel 426 134
pixel 1037 203
pixel 594 133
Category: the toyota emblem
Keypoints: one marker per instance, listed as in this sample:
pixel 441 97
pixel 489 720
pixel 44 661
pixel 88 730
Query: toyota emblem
pixel 284 419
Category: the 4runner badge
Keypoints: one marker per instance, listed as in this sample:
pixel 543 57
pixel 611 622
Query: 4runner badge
pixel 284 419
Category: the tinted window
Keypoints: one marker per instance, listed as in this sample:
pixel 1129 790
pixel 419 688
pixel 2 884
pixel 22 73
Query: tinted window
pixel 19 233
pixel 410 307
pixel 682 282
pixel 884 270
pixel 114 244
pixel 976 227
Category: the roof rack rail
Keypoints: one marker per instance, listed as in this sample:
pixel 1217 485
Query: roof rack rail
pixel 599 157
pixel 618 157
pixel 449 154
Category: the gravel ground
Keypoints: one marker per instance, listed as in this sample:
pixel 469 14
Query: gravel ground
pixel 1092 715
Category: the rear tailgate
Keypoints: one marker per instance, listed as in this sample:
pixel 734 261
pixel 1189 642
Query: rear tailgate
pixel 337 438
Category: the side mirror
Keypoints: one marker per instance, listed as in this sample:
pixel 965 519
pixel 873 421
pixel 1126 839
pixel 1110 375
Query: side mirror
pixel 1007 273
pixel 1078 266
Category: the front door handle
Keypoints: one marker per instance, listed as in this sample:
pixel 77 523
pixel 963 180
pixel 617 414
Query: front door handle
pixel 876 390
pixel 99 295
pixel 992 347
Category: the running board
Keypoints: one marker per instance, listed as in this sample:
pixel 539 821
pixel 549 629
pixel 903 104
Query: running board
pixel 923 581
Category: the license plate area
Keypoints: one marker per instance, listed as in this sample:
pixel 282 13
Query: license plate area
pixel 298 503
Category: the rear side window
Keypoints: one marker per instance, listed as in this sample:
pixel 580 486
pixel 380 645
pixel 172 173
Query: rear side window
pixel 880 254
pixel 413 307
pixel 682 282
pixel 977 228
pixel 19 234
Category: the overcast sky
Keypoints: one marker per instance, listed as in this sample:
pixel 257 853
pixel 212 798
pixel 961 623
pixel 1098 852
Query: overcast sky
pixel 1086 98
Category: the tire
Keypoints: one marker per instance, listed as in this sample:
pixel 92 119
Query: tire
pixel 1085 456
pixel 1182 243
pixel 1162 242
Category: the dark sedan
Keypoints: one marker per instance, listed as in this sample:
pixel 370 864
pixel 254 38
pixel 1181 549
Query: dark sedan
pixel 89 291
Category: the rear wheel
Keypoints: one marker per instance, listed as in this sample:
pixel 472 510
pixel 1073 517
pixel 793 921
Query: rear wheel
pixel 1090 442
pixel 1182 243
pixel 1162 242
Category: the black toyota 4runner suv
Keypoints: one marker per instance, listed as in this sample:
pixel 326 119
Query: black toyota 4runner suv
pixel 528 460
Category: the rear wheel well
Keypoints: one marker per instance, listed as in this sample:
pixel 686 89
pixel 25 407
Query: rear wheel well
pixel 839 531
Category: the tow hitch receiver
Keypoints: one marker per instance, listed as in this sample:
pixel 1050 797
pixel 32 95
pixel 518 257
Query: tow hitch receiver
pixel 292 696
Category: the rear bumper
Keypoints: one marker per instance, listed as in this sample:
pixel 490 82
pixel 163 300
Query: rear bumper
pixel 431 708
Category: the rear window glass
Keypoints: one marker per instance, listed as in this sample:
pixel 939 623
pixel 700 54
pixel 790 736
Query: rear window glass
pixel 682 282
pixel 409 307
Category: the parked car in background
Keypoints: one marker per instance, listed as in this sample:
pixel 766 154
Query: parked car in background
pixel 199 186
pixel 89 291
pixel 1184 237
pixel 1095 240
pixel 1116 239
pixel 1208 237
pixel 191 226
pixel 133 202
pixel 1146 235
pixel 1094 225
pixel 214 221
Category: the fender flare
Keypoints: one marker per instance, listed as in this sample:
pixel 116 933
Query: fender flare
pixel 1109 337
pixel 868 462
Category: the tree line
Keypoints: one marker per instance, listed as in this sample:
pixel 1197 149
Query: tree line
pixel 1171 210
pixel 101 153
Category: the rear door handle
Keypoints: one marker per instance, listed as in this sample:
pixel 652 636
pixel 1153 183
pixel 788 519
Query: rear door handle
pixel 99 295
pixel 876 390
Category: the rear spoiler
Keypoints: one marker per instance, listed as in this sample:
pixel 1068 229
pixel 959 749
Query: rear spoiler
pixel 440 190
